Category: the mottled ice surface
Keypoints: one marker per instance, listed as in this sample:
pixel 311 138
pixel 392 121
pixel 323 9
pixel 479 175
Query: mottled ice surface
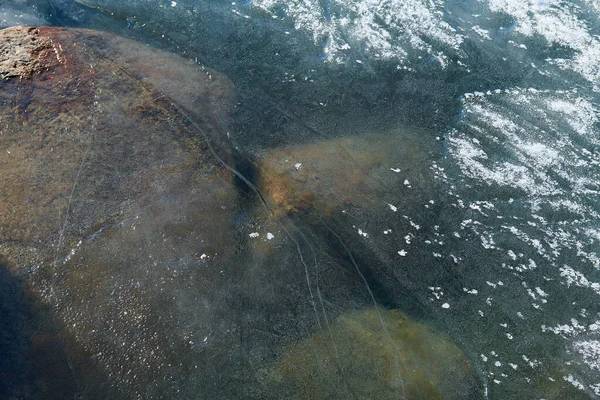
pixel 448 151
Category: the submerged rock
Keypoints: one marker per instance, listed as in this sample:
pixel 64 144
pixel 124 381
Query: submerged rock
pixel 90 133
pixel 113 210
pixel 342 172
pixel 380 354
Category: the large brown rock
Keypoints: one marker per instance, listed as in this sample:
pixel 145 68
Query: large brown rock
pixel 113 210
pixel 89 131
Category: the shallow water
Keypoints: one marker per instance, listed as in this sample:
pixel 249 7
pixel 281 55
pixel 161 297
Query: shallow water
pixel 437 157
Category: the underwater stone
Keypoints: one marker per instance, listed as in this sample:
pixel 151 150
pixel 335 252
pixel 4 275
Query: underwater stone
pixel 347 171
pixel 109 194
pixel 378 354
pixel 89 133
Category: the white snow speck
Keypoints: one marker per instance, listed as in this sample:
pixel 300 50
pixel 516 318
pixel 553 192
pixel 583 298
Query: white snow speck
pixel 394 208
pixel 446 305
pixel 173 3
pixel 402 253
pixel 395 169
pixel 373 24
pixel 481 32
pixel 254 235
pixel 270 236
pixel 298 165
pixel 574 382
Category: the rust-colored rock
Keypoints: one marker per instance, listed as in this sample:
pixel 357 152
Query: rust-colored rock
pixel 340 172
pixel 22 51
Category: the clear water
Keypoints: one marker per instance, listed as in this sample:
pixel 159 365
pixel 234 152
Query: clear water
pixel 476 210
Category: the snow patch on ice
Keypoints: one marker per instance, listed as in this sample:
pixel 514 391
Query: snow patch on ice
pixel 385 29
pixel 556 23
pixel 590 351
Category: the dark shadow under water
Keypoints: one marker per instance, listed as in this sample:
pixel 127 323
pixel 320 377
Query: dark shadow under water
pixel 36 362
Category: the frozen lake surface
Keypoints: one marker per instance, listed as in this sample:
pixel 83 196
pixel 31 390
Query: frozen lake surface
pixel 379 199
